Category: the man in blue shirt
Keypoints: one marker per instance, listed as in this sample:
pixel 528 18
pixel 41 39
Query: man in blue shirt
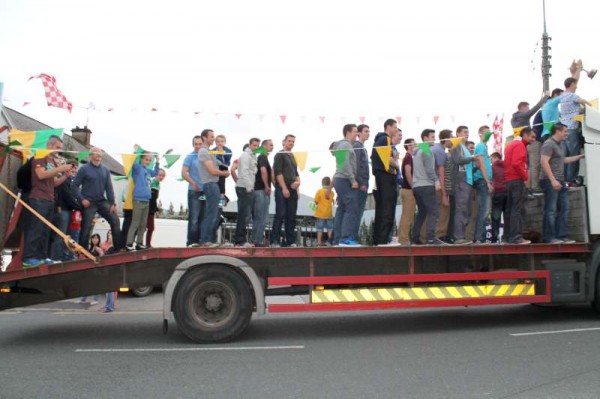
pixel 190 173
pixel 482 184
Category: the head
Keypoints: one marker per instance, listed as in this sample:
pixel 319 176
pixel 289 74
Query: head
pixel 146 159
pixel 288 142
pixel 363 133
pixel 559 132
pixel 208 137
pixel 390 126
pixel 95 239
pixel 445 136
pixel 570 85
pixel 409 145
pixel 396 137
pixel 527 135
pixel 350 131
pixel 253 143
pixel 96 155
pixel 496 156
pixel 197 143
pixel 556 92
pixel 268 145
pixel 463 132
pixel 160 176
pixel 73 171
pixel 54 143
pixel 428 136
pixel 471 147
pixel 220 141
pixel 326 181
pixel 523 106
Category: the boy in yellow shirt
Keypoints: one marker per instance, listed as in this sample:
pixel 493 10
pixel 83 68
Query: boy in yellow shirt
pixel 324 212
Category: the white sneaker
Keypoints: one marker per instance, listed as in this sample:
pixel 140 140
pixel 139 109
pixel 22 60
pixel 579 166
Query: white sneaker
pixel 390 244
pixel 93 303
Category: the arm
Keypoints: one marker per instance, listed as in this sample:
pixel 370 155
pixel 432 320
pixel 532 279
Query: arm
pixel 60 180
pixel 156 169
pixel 548 172
pixel 234 169
pixel 110 194
pixel 586 102
pixel 408 175
pixel 521 164
pixel 44 174
pixel 574 158
pixel 537 106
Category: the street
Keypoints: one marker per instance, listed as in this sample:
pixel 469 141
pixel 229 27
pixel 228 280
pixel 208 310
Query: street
pixel 63 350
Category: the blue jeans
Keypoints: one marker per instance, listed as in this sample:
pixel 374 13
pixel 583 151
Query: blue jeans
pixel 428 212
pixel 285 212
pixel 346 213
pixel 245 199
pixel 260 212
pixel 103 209
pixel 210 221
pixel 573 144
pixel 37 234
pixel 483 199
pixel 195 208
pixel 556 211
pixel 58 249
pixel 110 301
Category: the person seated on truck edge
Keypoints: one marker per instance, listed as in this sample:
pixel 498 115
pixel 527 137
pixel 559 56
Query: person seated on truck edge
pixel 195 197
pixel 556 203
pixel 45 175
pixel 66 206
pixel 97 195
pixel 287 182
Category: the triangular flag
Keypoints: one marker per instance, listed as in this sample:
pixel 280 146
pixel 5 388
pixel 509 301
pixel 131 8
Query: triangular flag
pixel 301 159
pixel 487 135
pixel 399 119
pixel 10 145
pixel 548 125
pixel 128 161
pixel 436 118
pixel 26 103
pixel 119 178
pixel 578 118
pixel 82 155
pixel 238 116
pixel 170 159
pixel 314 169
pixel 340 157
pixel 322 119
pixel 153 109
pixel 424 147
pixel 42 153
pixel 282 117
pixel 216 152
pixel 33 139
pixel 260 150
pixel 180 179
pixel 312 205
pixel 384 154
pixel 361 119
pixel 456 141
pixel 517 131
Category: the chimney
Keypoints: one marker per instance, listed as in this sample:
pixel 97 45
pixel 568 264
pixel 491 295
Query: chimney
pixel 82 135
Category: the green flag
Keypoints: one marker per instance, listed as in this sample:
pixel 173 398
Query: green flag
pixel 548 126
pixel 13 143
pixel 181 179
pixel 170 159
pixel 315 169
pixel 487 135
pixel 340 157
pixel 260 150
pixel 82 155
pixel 425 148
pixel 119 178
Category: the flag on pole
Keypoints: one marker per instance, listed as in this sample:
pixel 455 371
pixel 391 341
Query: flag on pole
pixel 54 97
pixel 497 128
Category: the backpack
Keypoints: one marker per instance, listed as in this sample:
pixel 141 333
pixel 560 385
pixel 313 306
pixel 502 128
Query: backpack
pixel 24 176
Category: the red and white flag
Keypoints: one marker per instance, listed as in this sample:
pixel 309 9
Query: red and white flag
pixel 54 97
pixel 497 128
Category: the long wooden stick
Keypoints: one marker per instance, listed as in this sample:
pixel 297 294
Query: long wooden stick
pixel 69 242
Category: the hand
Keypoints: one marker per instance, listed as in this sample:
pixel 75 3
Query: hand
pixel 295 185
pixel 354 185
pixel 556 185
pixel 195 187
pixel 225 173
pixel 268 190
pixel 85 203
pixel 446 200
pixel 363 188
pixel 490 187
pixel 113 209
pixel 64 168
pixel 438 187
pixel 286 193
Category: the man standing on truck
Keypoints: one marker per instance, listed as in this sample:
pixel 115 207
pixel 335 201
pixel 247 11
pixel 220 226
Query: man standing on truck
pixel 515 176
pixel 287 181
pixel 97 195
pixel 362 173
pixel 346 187
pixel 244 188
pixel 556 203
pixel 386 195
pixel 189 172
pixel 262 195
pixel 482 184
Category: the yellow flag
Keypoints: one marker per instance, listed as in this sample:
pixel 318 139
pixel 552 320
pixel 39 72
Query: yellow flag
pixel 384 154
pixel 25 138
pixel 517 131
pixel 456 141
pixel 578 118
pixel 300 159
pixel 594 103
pixel 128 161
pixel 217 152
pixel 42 153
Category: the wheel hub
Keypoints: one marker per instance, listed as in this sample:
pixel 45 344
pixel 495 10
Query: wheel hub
pixel 213 302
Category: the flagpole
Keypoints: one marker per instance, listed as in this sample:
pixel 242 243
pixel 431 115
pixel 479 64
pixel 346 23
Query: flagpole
pixel 545 53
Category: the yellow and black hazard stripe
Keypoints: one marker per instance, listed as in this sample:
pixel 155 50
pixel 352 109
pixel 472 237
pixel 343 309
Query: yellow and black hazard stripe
pixel 421 293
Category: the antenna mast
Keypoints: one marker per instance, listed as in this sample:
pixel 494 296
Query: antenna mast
pixel 545 53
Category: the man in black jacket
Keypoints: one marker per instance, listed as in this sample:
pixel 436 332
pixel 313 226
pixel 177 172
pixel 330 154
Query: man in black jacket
pixel 362 173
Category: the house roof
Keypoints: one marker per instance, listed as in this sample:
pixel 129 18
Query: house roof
pixel 17 120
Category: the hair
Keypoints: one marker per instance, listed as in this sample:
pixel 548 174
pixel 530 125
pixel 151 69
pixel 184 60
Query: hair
pixel 162 170
pixel 331 145
pixel 348 128
pixel 445 134
pixel 362 127
pixel 326 181
pixel 556 91
pixel 287 136
pixel 389 122
pixel 569 82
pixel 483 129
pixel 425 133
pixel 470 143
pixel 146 154
pixel 526 131
pixel 54 138
pixel 196 137
pixel 221 136
pixel 522 104
pixel 205 133
pixel 265 142
pixel 496 155
pixel 245 146
pixel 557 127
pixel 407 142
pixel 461 128
pixel 254 140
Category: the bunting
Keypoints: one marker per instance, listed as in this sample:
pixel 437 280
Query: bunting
pixel 283 118
pixel 456 141
pixel 170 159
pixel 128 161
pixel 517 131
pixel 82 155
pixel 42 153
pixel 384 154
pixel 33 140
pixel 322 119
pixel 425 147
pixel 578 118
pixel 300 158
pixel 548 126
pixel 486 136
pixel 340 157
pixel 314 169
pixel 260 150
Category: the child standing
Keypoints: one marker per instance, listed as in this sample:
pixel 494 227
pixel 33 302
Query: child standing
pixel 224 162
pixel 141 200
pixel 324 212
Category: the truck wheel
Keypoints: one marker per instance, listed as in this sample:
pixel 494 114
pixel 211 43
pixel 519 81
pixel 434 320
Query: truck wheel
pixel 142 291
pixel 212 304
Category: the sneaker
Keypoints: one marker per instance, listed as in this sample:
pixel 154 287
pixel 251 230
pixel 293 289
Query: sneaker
pixel 521 241
pixel 93 303
pixel 49 261
pixel 140 247
pixel 436 241
pixel 568 241
pixel 275 245
pixel 462 241
pixel 32 262
pixel 482 242
pixel 555 241
pixel 349 243
pixel 221 202
pixel 129 247
pixel 105 310
pixel 209 245
pixel 293 245
pixel 193 245
pixel 244 245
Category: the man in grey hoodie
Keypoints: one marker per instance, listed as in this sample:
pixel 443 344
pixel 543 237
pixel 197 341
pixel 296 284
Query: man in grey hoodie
pixel 346 187
pixel 424 185
pixel 244 188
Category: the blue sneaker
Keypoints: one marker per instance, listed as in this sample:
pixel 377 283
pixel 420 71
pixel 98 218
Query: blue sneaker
pixel 32 262
pixel 349 243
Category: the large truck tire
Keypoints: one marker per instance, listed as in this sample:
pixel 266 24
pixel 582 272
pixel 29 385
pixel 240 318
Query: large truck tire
pixel 212 304
pixel 142 291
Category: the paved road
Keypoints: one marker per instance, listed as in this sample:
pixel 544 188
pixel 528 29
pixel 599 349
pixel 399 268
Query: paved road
pixel 61 351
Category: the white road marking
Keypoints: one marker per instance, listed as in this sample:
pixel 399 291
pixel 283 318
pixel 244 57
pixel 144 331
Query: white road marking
pixel 555 332
pixel 233 348
pixel 99 313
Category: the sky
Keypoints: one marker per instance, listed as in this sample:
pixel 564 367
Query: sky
pixel 200 63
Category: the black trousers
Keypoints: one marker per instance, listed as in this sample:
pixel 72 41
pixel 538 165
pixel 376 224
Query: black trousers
pixel 515 203
pixel 386 199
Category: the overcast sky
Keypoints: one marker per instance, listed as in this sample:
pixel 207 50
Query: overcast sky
pixel 460 60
